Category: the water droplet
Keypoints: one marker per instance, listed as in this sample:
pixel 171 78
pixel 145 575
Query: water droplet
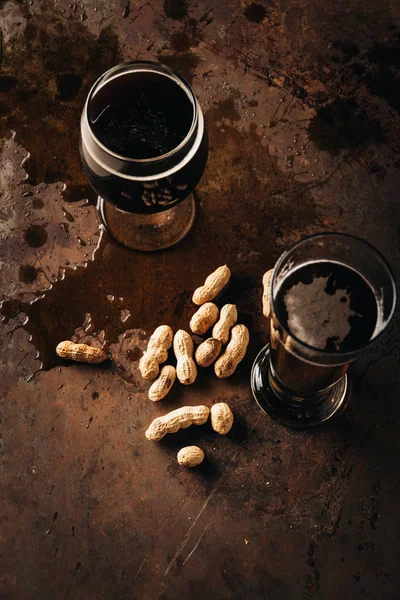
pixel 125 314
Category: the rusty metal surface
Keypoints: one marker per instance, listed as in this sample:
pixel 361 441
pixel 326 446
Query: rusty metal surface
pixel 301 101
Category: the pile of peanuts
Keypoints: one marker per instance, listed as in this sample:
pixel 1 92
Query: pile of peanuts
pixel 207 316
pixel 225 333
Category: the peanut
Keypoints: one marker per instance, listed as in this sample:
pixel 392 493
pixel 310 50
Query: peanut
pixel 156 353
pixel 81 352
pixel 213 285
pixel 204 318
pixel 221 418
pixel 181 418
pixel 190 456
pixel 227 319
pixel 234 352
pixel 266 299
pixel 274 335
pixel 164 382
pixel 186 370
pixel 208 352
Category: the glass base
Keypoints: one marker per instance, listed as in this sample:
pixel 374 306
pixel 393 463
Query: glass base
pixel 148 232
pixel 323 407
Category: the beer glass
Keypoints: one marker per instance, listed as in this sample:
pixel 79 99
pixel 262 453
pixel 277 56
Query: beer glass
pixel 144 148
pixel 331 296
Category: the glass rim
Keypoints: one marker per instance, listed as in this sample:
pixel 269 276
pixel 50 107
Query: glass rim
pixel 165 71
pixel 349 236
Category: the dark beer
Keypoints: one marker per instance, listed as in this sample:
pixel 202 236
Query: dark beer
pixel 327 306
pixel 142 117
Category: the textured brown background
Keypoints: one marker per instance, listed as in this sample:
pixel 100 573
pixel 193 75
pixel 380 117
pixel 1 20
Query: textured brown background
pixel 301 101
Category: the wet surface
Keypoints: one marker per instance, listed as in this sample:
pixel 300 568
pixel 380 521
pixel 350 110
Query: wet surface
pixel 301 102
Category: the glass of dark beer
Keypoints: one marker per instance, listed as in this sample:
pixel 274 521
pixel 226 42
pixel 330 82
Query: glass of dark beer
pixel 332 296
pixel 144 149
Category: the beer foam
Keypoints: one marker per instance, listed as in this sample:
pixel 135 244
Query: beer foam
pixel 314 316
